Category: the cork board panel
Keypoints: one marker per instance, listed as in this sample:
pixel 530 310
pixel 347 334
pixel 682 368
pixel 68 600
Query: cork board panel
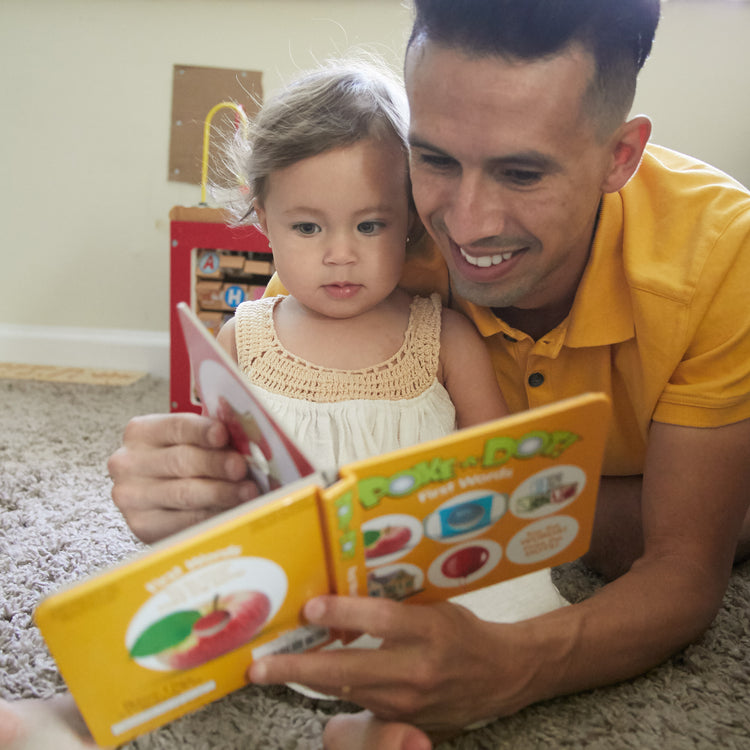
pixel 195 90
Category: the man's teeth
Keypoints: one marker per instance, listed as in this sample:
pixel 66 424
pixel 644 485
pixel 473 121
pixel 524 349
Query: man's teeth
pixel 485 261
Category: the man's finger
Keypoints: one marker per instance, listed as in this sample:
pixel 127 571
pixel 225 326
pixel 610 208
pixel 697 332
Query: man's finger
pixel 376 616
pixel 176 461
pixel 161 430
pixel 182 461
pixel 343 672
pixel 192 495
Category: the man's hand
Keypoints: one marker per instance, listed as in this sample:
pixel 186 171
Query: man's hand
pixel 436 667
pixel 441 668
pixel 174 470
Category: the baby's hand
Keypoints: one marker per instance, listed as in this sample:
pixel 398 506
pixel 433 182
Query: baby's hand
pixel 43 724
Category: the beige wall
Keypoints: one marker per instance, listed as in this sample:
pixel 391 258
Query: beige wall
pixel 696 84
pixel 86 96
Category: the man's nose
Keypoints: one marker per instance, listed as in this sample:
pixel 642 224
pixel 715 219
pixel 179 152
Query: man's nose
pixel 476 211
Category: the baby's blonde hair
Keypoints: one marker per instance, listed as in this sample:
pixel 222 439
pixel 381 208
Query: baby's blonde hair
pixel 336 105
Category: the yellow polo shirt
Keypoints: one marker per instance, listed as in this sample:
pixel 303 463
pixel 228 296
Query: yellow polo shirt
pixel 661 319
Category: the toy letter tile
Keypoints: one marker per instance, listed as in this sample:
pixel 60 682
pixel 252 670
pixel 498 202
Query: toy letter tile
pixel 216 295
pixel 208 264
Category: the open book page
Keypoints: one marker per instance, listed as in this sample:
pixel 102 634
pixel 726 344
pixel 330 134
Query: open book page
pixel 488 503
pixel 273 458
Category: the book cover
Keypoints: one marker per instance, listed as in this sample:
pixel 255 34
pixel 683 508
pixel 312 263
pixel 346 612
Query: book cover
pixel 177 626
pixel 485 504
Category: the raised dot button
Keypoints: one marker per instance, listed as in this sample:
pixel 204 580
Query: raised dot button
pixel 536 379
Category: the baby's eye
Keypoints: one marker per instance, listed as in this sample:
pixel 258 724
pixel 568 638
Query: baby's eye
pixel 369 227
pixel 306 227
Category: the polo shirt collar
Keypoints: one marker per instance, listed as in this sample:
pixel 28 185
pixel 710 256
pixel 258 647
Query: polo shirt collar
pixel 602 311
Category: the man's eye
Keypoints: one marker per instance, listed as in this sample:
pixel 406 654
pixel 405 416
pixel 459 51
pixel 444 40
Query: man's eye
pixel 306 228
pixel 435 161
pixel 522 177
pixel 369 227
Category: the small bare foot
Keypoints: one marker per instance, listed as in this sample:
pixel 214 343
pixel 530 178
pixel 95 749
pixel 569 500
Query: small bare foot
pixel 43 724
pixel 363 731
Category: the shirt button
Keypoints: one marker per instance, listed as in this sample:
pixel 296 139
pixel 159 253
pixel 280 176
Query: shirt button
pixel 536 379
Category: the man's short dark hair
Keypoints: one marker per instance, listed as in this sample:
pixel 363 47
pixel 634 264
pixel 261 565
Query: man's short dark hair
pixel 617 33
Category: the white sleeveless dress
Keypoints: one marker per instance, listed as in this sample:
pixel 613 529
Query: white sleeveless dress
pixel 339 416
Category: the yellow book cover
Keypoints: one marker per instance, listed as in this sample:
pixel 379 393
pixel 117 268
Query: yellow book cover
pixel 482 505
pixel 177 626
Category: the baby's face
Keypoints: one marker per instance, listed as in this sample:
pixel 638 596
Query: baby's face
pixel 337 223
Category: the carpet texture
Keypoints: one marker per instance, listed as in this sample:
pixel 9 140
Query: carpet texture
pixel 53 374
pixel 57 524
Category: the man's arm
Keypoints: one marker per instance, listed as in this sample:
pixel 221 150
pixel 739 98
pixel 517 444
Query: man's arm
pixel 440 666
pixel 696 492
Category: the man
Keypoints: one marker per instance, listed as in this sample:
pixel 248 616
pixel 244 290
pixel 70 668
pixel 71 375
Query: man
pixel 588 261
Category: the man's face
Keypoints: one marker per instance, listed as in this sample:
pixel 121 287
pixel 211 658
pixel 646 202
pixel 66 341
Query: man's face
pixel 506 172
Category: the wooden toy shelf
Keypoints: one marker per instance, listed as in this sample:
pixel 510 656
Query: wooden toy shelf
pixel 213 267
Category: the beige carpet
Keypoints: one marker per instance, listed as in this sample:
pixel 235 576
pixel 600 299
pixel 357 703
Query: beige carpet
pixel 52 374
pixel 57 524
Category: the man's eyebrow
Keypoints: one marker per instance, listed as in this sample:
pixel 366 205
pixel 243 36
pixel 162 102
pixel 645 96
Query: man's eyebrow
pixel 417 142
pixel 531 159
pixel 534 160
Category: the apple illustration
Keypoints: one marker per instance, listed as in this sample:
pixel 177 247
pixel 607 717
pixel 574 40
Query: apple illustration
pixel 211 623
pixel 389 540
pixel 465 561
pixel 233 620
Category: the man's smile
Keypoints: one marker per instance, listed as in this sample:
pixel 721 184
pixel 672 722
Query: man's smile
pixel 485 261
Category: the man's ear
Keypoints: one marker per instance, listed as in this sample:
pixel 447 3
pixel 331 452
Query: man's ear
pixel 628 145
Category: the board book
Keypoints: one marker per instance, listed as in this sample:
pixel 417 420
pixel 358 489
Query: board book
pixel 178 625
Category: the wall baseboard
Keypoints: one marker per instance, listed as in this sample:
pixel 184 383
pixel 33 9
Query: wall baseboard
pixel 101 348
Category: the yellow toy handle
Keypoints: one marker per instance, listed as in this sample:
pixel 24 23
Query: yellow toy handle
pixel 243 122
